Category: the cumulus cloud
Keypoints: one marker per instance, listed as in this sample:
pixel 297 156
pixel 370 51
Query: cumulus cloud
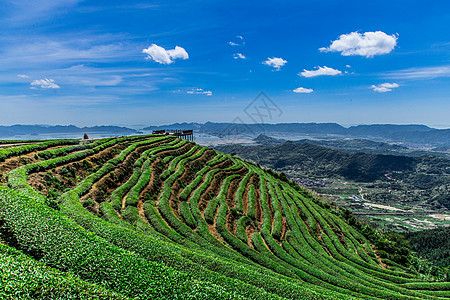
pixel 276 62
pixel 45 83
pixel 238 43
pixel 23 76
pixel 320 71
pixel 163 56
pixel 199 91
pixel 239 55
pixel 302 90
pixel 384 87
pixel 368 44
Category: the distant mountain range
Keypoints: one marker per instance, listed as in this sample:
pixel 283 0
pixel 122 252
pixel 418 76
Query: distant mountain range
pixel 307 128
pixel 17 130
pixel 407 134
pixel 358 145
pixel 411 134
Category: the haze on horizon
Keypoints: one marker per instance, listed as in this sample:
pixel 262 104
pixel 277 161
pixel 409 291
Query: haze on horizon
pixel 160 62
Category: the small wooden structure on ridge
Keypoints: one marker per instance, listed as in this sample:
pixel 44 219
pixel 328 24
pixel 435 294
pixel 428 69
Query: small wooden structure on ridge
pixel 179 133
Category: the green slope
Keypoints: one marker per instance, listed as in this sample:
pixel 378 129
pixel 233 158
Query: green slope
pixel 156 217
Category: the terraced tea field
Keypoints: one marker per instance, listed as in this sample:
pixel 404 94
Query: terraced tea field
pixel 155 217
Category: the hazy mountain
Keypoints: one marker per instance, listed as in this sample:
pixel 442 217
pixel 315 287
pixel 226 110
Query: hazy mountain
pixel 410 134
pixel 15 130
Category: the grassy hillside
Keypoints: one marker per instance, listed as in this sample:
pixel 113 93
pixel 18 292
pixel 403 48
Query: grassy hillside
pixel 155 217
pixel 432 244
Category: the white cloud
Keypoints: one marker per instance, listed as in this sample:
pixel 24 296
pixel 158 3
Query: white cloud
pixel 199 91
pixel 276 62
pixel 23 76
pixel 348 66
pixel 321 71
pixel 239 55
pixel 302 90
pixel 384 87
pixel 22 12
pixel 46 83
pixel 81 75
pixel 38 52
pixel 367 44
pixel 163 56
pixel 420 73
pixel 239 43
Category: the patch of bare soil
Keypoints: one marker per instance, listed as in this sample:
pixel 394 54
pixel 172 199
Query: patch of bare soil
pixel 214 187
pixel 175 152
pixel 250 230
pixel 14 162
pixel 154 185
pixel 140 208
pixel 102 189
pixel 191 168
pixel 210 192
pixel 271 209
pixel 380 262
pixel 320 240
pixel 181 182
pixel 284 228
pixel 212 230
pixel 223 165
pixel 152 189
pixel 254 179
pixel 267 246
pixel 69 175
pixel 340 235
pixel 231 193
pixel 174 205
pixel 232 215
pixel 258 208
pixel 173 201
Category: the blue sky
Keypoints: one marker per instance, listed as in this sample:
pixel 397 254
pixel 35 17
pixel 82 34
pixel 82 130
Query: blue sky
pixel 158 62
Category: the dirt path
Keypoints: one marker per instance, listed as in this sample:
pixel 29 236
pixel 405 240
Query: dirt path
pixel 361 194
pixel 124 200
pixel 140 208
